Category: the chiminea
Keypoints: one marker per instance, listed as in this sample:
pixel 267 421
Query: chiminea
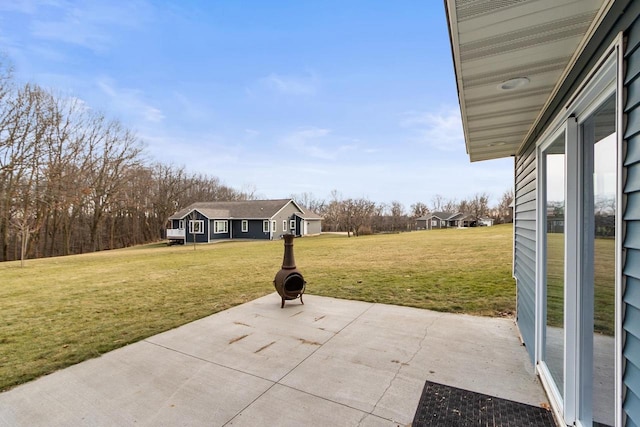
pixel 289 281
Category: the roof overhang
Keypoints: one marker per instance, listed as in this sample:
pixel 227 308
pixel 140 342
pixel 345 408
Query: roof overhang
pixel 510 59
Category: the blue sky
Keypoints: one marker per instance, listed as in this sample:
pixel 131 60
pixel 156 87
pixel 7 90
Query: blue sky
pixel 281 96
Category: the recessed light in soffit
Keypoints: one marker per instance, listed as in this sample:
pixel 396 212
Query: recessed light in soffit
pixel 515 83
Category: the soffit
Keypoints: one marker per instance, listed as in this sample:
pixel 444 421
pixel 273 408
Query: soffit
pixel 494 41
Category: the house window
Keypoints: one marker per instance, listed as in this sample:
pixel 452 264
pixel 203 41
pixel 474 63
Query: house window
pixel 273 226
pixel 245 225
pixel 265 226
pixel 196 226
pixel 220 227
pixel 181 224
pixel 434 222
pixel 292 224
pixel 284 225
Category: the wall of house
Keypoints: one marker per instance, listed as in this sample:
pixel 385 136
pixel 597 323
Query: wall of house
pixel 624 19
pixel 255 230
pixel 631 271
pixel 219 236
pixel 524 258
pixel 285 213
pixel 200 238
pixel 314 226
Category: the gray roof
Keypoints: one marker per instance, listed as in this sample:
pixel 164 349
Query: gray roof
pixel 241 209
pixel 442 215
pixel 308 214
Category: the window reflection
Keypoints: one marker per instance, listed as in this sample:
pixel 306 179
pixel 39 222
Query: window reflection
pixel 554 157
pixel 599 135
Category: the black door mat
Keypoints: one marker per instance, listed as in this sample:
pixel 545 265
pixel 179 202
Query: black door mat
pixel 444 406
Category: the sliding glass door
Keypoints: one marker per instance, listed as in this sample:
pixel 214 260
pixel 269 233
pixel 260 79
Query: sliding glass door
pixel 577 271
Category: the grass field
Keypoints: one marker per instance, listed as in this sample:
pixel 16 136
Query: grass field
pixel 604 283
pixel 60 311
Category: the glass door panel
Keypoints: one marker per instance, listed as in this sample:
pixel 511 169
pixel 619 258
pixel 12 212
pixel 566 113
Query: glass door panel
pixel 554 157
pixel 598 291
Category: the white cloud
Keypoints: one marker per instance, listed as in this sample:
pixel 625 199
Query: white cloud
pixel 317 143
pixel 441 130
pixel 90 25
pixel 29 7
pixel 292 85
pixel 130 102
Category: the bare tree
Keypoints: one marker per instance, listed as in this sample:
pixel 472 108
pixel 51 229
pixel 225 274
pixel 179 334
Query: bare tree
pixel 398 217
pixel 504 208
pixel 451 205
pixel 419 209
pixel 437 203
pixel 355 214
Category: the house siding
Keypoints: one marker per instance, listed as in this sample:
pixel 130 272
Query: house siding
pixel 286 213
pixel 524 258
pixel 255 229
pixel 218 236
pixel 631 222
pixel 314 226
pixel 200 238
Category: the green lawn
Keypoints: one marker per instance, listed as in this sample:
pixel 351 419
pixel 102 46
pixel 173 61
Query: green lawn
pixel 604 279
pixel 60 311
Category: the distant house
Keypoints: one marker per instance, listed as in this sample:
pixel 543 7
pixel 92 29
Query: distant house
pixel 437 220
pixel 247 219
pixel 440 220
pixel 484 221
pixel 421 223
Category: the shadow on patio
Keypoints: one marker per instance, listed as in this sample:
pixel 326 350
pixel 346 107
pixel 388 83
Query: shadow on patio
pixel 328 362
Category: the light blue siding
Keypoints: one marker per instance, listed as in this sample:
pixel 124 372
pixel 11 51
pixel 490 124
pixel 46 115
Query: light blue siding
pixel 524 264
pixel 631 297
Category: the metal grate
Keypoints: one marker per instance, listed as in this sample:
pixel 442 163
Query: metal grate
pixel 446 406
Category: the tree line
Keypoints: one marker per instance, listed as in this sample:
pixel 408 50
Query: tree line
pixel 363 216
pixel 74 181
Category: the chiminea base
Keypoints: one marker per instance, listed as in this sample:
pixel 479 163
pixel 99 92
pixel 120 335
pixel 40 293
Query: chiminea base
pixel 289 298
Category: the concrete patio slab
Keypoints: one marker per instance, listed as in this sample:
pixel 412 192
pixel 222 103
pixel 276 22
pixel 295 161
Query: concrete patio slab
pixel 328 362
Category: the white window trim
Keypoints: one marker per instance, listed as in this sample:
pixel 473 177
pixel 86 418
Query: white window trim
pixel 200 222
pixel 265 226
pixel 181 224
pixel 284 225
pixel 274 226
pixel 245 226
pixel 292 224
pixel 220 226
pixel 605 79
